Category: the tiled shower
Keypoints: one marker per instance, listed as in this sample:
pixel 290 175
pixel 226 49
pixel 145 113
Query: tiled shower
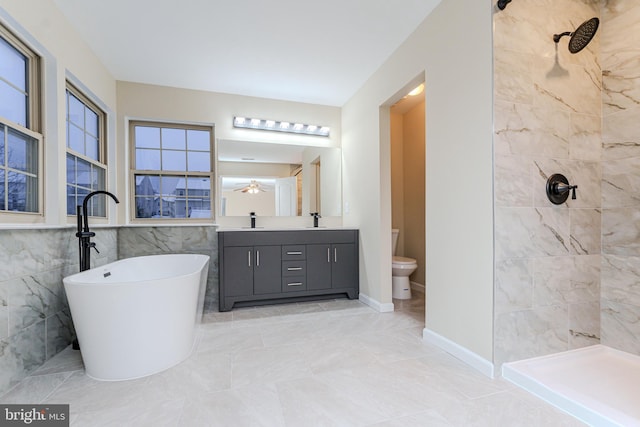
pixel 566 276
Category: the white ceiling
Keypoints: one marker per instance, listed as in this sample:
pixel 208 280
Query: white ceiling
pixel 318 52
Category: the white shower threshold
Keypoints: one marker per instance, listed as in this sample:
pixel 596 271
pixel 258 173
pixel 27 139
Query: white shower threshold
pixel 598 385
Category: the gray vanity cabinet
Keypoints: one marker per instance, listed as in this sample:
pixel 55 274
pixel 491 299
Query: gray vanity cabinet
pixel 261 267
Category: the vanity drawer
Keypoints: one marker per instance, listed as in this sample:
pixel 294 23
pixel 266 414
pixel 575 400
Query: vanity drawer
pixel 293 252
pixel 294 284
pixel 294 268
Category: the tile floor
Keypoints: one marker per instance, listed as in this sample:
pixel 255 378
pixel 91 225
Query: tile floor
pixel 328 363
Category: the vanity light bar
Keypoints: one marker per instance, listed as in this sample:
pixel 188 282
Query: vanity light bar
pixel 274 125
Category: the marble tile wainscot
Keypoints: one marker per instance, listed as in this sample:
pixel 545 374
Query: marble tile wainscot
pixel 35 323
pixel 192 239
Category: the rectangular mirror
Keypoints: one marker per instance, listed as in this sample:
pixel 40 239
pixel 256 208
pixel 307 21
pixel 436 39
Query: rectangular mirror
pixel 278 179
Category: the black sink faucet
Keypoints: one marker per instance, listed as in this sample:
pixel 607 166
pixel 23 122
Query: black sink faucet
pixel 253 217
pixel 84 235
pixel 316 216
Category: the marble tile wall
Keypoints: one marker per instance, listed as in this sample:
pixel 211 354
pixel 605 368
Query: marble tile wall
pixel 620 303
pixel 547 119
pixel 35 323
pixel 139 241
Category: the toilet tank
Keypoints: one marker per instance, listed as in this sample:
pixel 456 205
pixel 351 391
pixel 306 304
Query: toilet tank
pixel 394 239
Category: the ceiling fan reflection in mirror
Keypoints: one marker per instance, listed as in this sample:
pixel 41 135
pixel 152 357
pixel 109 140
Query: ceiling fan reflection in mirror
pixel 253 187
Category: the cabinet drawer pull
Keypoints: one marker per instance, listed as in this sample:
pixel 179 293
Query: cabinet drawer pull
pixel 294 268
pixel 294 284
pixel 257 258
pixel 328 254
pixel 335 254
pixel 294 253
pixel 249 258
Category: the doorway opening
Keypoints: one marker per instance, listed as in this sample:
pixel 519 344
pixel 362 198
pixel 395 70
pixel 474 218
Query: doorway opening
pixel 408 198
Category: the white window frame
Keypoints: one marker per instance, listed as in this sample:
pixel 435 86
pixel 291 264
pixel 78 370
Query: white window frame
pixel 154 172
pixel 32 129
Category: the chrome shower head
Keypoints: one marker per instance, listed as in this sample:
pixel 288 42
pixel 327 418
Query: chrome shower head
pixel 581 37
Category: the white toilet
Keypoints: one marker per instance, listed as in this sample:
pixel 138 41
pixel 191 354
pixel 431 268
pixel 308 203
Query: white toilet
pixel 401 269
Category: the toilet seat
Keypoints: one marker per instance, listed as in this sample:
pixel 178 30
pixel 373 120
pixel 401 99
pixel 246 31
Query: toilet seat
pixel 400 260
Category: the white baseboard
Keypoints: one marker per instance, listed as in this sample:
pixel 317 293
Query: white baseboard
pixel 418 287
pixel 460 352
pixel 376 305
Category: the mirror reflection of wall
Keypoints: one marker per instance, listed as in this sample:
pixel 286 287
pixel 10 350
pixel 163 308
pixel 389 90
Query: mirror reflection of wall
pixel 315 199
pixel 278 179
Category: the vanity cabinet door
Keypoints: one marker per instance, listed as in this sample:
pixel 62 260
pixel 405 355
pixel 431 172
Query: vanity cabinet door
pixel 318 267
pixel 344 266
pixel 331 266
pixel 267 271
pixel 238 271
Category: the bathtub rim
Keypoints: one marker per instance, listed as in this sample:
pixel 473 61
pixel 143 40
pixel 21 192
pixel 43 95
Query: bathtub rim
pixel 73 280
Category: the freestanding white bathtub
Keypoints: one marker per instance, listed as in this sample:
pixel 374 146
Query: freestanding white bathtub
pixel 137 316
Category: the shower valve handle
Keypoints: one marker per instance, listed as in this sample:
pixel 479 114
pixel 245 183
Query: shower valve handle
pixel 558 189
pixel 561 188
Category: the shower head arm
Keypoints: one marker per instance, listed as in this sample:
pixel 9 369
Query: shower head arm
pixel 502 4
pixel 557 37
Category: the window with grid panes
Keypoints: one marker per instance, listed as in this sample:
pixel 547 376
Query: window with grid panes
pixel 20 137
pixel 86 168
pixel 172 171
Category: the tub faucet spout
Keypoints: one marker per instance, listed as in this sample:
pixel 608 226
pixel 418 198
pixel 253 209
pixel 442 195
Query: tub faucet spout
pixel 83 234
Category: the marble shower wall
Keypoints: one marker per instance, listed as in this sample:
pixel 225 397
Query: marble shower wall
pixel 547 119
pixel 139 241
pixel 620 303
pixel 35 323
